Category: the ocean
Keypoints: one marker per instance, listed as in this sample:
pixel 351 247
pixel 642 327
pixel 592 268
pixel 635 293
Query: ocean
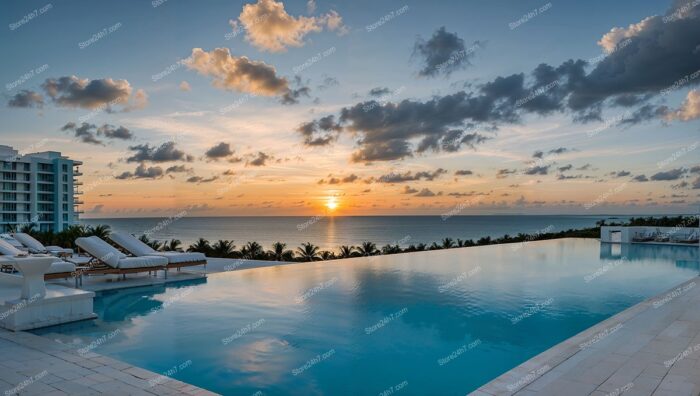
pixel 332 232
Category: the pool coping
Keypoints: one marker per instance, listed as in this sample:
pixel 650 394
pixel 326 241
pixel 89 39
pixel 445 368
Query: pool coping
pixel 520 377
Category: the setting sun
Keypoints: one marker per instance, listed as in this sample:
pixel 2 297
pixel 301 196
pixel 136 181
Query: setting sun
pixel 332 203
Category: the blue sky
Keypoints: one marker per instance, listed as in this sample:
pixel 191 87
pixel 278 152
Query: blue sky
pixel 147 40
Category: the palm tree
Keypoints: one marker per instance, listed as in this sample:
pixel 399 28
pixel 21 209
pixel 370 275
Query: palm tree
pixel 174 245
pixel 201 246
pixel 155 245
pixel 327 255
pixel 101 231
pixel 252 251
pixel 308 252
pixel 448 243
pixel 278 252
pixel 224 249
pixel 367 249
pixel 434 246
pixel 346 251
pixel 391 249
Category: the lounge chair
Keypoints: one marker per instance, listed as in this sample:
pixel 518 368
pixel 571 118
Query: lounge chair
pixel 35 246
pixel 662 237
pixel 12 241
pixel 139 249
pixel 106 259
pixel 647 236
pixel 692 238
pixel 59 269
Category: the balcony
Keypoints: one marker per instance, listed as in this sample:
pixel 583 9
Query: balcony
pixel 78 202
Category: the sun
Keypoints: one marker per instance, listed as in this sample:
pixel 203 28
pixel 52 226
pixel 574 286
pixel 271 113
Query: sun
pixel 331 203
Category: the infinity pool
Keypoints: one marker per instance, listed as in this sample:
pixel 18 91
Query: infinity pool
pixel 430 323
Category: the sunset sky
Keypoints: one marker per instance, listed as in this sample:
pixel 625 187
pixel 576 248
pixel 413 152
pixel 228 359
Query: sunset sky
pixel 360 107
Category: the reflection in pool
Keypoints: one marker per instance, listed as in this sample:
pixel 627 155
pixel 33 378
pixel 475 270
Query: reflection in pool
pixel 440 322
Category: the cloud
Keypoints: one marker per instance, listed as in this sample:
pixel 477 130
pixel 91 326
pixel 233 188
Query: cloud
pixel 394 131
pixel 537 170
pixel 673 174
pixel 463 172
pixel 696 184
pixel 379 91
pixel 199 179
pixel 565 168
pixel 72 91
pixel 220 150
pixel 270 28
pixel 87 133
pixel 689 110
pixel 111 132
pixel 351 178
pixel 293 94
pixel 311 6
pixel 185 86
pixel 143 172
pixel 237 73
pixel 621 173
pixel 444 53
pixel 178 169
pixel 425 193
pixel 409 190
pixel 320 132
pixel 259 160
pixel 328 82
pixel 409 176
pixel 96 209
pixel 503 173
pixel 26 99
pixel 166 152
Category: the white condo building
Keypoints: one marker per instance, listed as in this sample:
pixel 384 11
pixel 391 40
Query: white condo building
pixel 38 188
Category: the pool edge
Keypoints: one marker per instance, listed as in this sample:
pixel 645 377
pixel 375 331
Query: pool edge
pixel 520 377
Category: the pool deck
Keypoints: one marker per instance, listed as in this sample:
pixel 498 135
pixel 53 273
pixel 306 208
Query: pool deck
pixel 652 348
pixel 34 365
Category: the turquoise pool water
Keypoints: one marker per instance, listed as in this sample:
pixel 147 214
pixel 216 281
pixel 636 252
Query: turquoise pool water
pixel 430 323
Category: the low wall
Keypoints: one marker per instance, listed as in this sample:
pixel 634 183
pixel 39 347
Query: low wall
pixel 620 234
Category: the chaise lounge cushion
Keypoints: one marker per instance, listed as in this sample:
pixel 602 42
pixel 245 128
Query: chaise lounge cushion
pixel 60 267
pixel 109 255
pixel 138 248
pixel 35 246
pixel 132 244
pixel 101 250
pixel 178 257
pixel 142 262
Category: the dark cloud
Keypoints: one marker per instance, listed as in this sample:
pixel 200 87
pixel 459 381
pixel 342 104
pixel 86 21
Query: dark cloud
pixel 166 152
pixel 87 133
pixel 292 95
pixel 220 150
pixel 71 91
pixel 425 193
pixel 351 178
pixel 443 54
pixel 199 179
pixel 409 176
pixel 328 82
pixel 379 91
pixel 409 190
pixel 565 168
pixel 673 174
pixel 645 113
pixel 25 99
pixel 696 183
pixel 621 173
pixel 463 172
pixel 537 170
pixel 143 172
pixel 260 159
pixel 112 132
pixel 320 132
pixel 503 173
pixel 640 178
pixel 178 169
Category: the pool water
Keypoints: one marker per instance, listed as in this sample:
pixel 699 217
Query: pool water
pixel 429 323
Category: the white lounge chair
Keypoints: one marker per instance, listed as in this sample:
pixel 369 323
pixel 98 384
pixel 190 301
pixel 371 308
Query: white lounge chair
pixel 12 241
pixel 35 246
pixel 59 269
pixel 108 260
pixel 175 259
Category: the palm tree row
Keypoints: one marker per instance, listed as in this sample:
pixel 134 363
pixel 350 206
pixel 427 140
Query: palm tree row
pixel 310 252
